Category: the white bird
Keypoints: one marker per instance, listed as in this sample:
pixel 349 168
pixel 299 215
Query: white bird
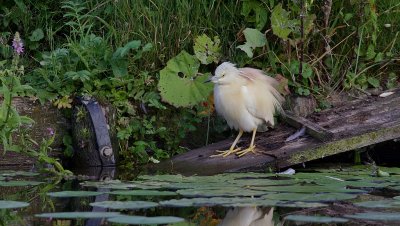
pixel 247 99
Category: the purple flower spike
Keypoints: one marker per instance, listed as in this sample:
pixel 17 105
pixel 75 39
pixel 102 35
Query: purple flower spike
pixel 50 131
pixel 17 44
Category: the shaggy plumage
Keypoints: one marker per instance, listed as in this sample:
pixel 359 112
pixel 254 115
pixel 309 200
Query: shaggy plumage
pixel 247 99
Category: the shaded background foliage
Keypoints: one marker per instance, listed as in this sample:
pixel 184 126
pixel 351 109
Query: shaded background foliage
pixel 115 50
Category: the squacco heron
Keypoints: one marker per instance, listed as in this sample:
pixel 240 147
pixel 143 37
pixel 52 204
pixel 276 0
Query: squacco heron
pixel 247 99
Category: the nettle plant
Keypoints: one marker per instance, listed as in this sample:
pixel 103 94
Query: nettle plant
pixel 340 49
pixel 283 54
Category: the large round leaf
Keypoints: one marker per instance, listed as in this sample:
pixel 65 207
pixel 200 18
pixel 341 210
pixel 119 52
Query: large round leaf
pixel 180 84
pixel 139 220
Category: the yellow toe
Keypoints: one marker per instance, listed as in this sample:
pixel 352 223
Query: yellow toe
pixel 247 150
pixel 226 153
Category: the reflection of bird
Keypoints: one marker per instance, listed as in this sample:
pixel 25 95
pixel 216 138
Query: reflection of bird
pixel 247 99
pixel 248 216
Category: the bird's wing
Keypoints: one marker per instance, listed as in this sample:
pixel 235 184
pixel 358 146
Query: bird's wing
pixel 261 96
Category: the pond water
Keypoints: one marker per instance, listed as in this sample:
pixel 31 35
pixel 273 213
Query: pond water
pixel 354 195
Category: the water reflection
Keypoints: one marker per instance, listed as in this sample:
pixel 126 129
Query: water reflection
pixel 249 216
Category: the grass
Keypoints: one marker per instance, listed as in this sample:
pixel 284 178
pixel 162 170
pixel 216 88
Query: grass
pixel 171 26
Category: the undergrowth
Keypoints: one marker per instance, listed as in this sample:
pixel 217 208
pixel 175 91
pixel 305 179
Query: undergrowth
pixel 119 53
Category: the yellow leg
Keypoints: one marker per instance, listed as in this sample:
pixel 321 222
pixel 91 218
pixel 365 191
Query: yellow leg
pixel 231 149
pixel 250 148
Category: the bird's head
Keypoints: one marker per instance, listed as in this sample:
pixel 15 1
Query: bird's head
pixel 226 73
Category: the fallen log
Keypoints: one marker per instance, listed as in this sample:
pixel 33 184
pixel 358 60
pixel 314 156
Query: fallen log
pixel 355 124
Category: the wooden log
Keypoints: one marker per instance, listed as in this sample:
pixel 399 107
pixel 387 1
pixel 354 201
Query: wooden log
pixel 353 125
pixel 311 128
pixel 46 117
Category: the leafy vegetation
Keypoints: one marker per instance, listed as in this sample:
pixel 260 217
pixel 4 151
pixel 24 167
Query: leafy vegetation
pixel 149 60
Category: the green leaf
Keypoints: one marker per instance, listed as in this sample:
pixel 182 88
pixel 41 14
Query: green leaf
pixel 220 191
pixel 140 220
pixel 18 183
pixel 131 205
pixel 254 39
pixel 36 35
pixel 214 201
pixel 254 11
pixel 180 84
pixel 143 193
pixel 78 215
pixel 370 52
pixel 282 26
pixel 321 197
pixel 11 173
pixel 119 62
pixel 377 216
pixel 315 219
pixel 301 204
pixel 373 82
pixel 207 50
pixel 294 68
pixel 5 204
pixel 123 51
pixel 67 194
pixel 385 203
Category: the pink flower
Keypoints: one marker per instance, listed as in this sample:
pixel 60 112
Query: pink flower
pixel 17 44
pixel 50 131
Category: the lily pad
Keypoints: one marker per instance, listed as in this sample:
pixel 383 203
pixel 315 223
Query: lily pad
pixel 221 191
pixel 18 183
pixel 262 182
pixel 180 83
pixel 167 178
pixel 143 193
pixel 125 204
pixel 307 189
pixel 315 219
pixel 110 184
pixel 321 197
pixel 5 204
pixel 300 204
pixel 216 201
pixel 68 194
pixel 11 173
pixel 386 203
pixel 376 216
pixel 78 215
pixel 138 220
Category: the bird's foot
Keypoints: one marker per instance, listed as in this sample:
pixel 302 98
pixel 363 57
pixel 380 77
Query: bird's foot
pixel 226 153
pixel 245 151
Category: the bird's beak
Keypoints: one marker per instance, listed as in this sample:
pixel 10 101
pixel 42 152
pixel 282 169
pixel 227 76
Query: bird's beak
pixel 208 80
